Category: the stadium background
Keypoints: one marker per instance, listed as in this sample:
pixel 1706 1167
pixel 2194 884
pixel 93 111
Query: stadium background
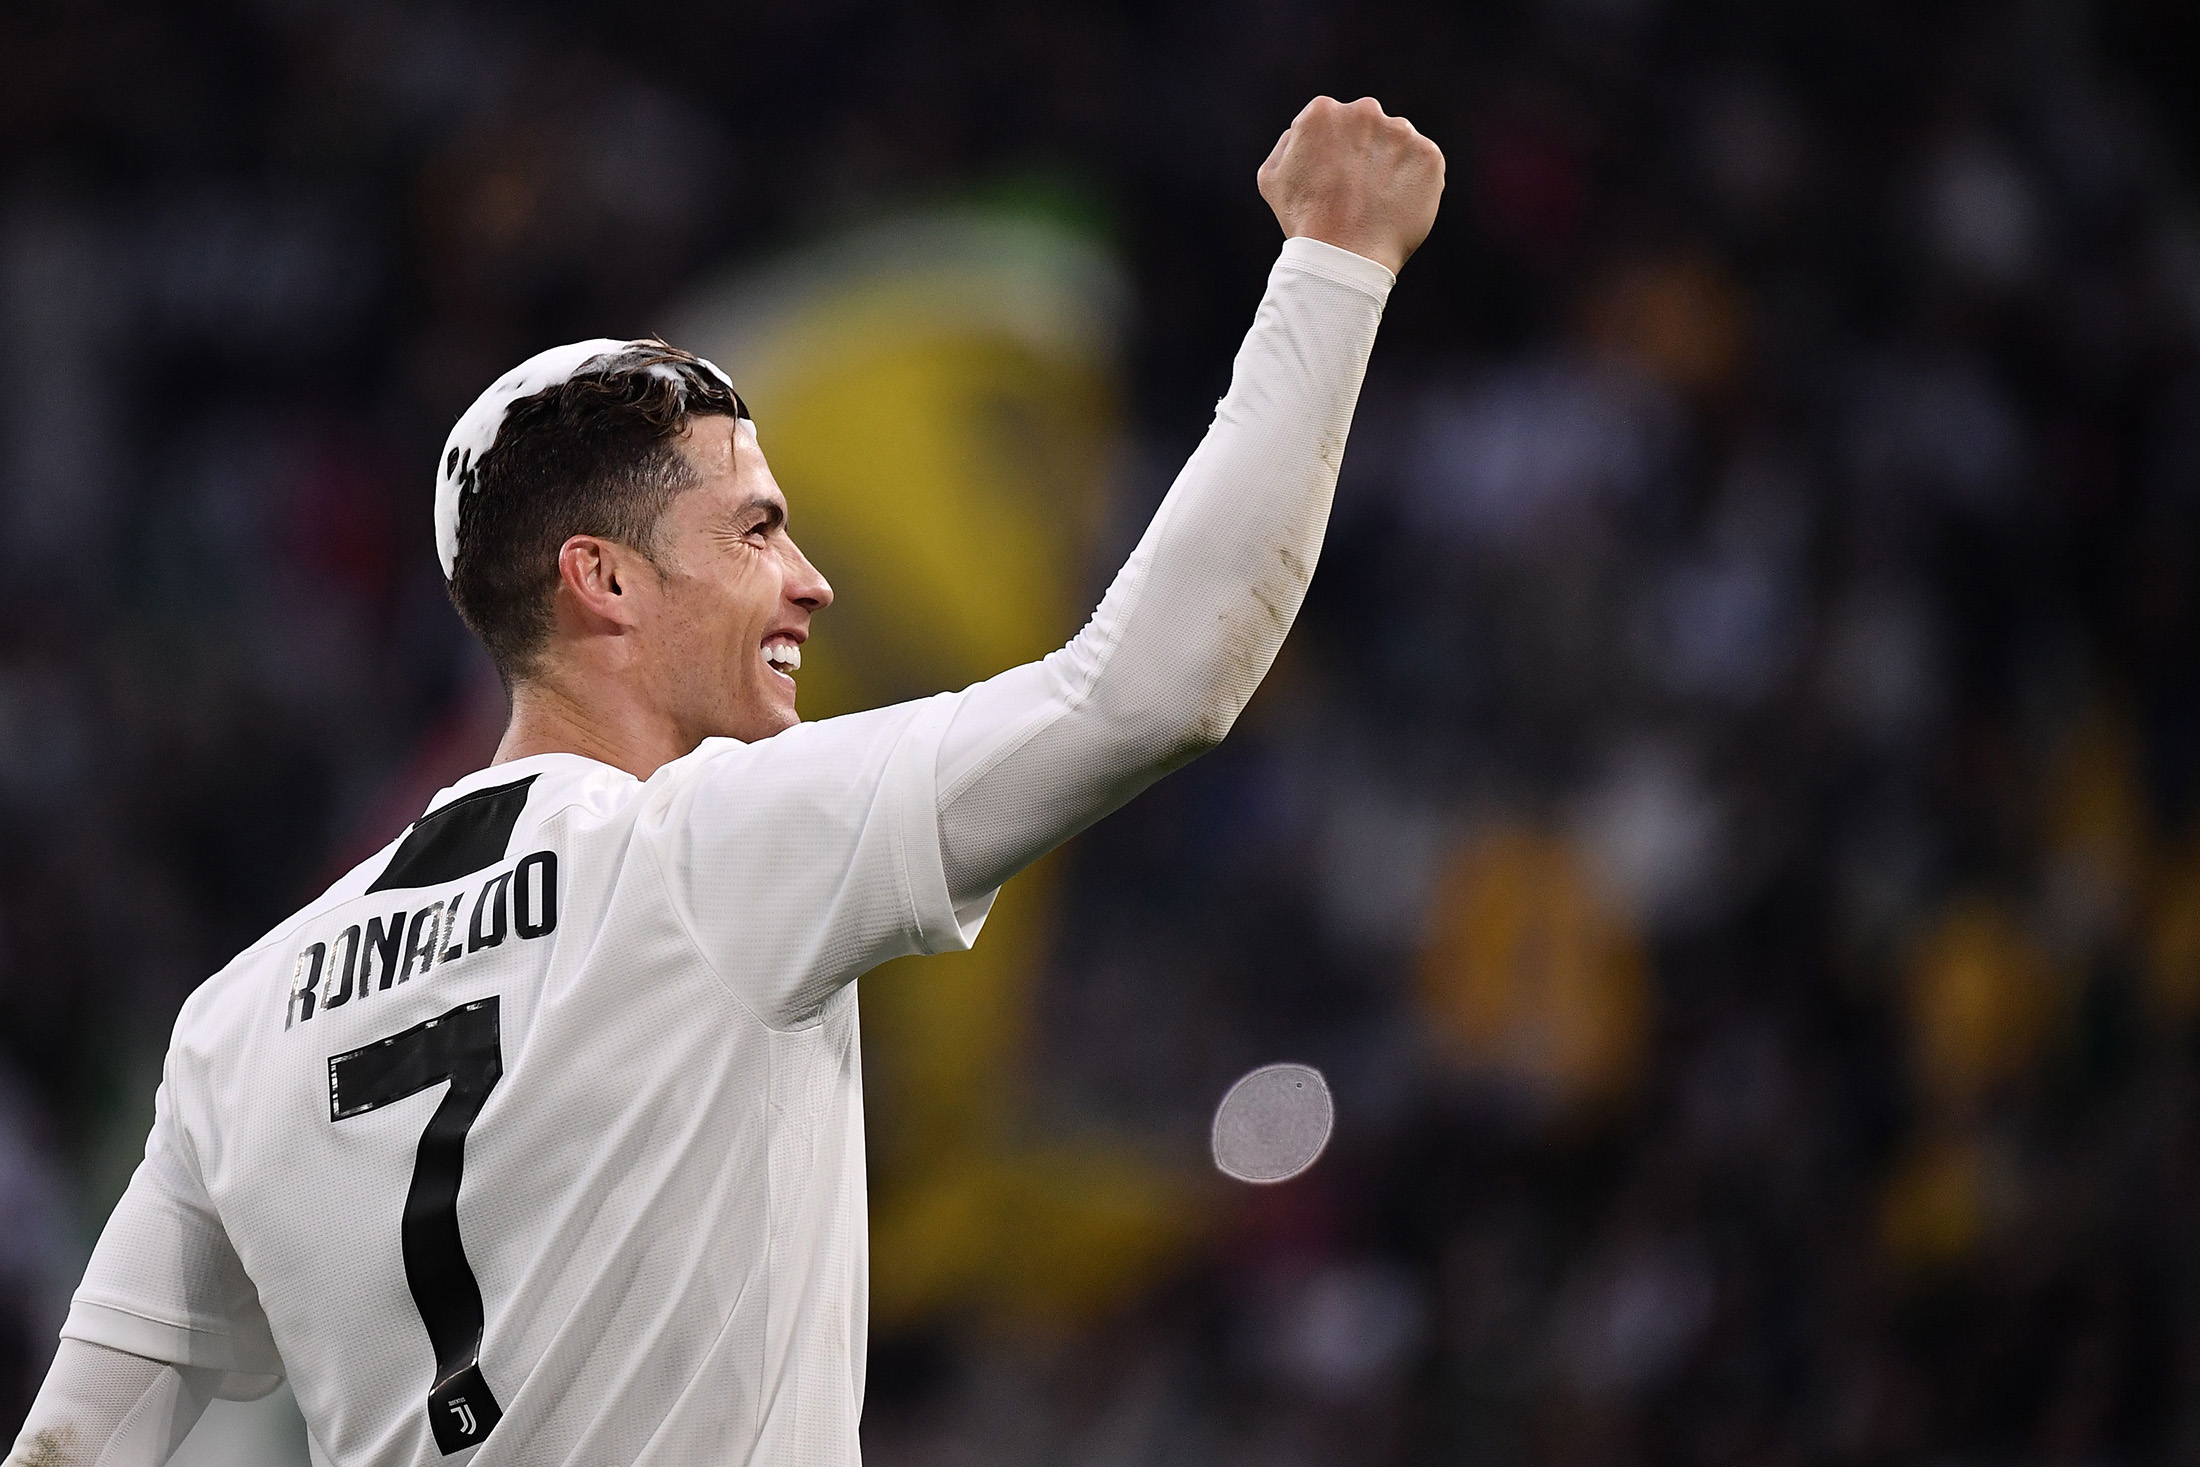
pixel 1726 825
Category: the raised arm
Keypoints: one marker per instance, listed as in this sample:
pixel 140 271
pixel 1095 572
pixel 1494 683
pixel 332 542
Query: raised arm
pixel 1196 617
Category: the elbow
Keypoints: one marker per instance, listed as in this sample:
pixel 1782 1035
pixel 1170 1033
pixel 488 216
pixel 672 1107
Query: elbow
pixel 1174 741
pixel 1211 724
pixel 1205 711
pixel 1194 708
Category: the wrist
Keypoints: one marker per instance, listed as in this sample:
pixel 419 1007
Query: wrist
pixel 1347 267
pixel 1367 246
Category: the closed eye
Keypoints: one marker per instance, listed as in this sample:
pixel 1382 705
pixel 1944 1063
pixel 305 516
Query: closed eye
pixel 760 519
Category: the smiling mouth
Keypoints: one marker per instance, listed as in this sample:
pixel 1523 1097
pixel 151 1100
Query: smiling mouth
pixel 784 658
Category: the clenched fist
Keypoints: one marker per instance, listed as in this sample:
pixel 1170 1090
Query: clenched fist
pixel 1349 174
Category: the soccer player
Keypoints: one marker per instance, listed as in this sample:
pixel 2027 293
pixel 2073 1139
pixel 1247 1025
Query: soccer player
pixel 538 1139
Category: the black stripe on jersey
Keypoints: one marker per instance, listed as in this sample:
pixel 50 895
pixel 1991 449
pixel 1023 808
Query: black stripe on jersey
pixel 463 1047
pixel 467 834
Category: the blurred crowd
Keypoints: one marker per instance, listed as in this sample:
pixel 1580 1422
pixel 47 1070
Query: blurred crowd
pixel 1728 825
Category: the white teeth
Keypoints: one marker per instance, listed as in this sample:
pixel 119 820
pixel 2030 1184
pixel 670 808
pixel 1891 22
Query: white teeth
pixel 785 656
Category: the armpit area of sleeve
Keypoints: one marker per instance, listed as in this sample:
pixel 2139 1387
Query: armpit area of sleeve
pixel 941 926
pixel 178 1344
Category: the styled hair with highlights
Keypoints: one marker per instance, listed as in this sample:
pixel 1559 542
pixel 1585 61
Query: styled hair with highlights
pixel 594 455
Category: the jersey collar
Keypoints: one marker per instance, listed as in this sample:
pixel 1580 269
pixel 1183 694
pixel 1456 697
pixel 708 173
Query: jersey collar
pixel 551 769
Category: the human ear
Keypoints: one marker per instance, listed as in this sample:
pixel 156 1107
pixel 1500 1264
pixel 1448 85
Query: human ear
pixel 596 575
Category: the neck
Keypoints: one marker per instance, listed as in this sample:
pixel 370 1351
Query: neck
pixel 548 718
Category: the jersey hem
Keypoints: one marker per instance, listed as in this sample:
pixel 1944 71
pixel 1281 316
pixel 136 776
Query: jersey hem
pixel 940 925
pixel 136 1333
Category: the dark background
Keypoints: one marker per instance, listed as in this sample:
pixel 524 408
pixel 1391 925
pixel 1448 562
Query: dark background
pixel 1727 822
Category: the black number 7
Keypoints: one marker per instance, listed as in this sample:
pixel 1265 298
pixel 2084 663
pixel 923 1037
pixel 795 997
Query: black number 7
pixel 461 1047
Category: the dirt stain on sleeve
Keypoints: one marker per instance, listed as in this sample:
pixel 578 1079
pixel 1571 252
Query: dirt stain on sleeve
pixel 53 1446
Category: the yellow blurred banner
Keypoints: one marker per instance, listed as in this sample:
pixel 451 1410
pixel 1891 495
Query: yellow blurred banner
pixel 1531 977
pixel 937 396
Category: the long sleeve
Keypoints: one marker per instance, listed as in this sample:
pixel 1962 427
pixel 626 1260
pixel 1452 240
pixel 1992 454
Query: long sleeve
pixel 1196 616
pixel 102 1407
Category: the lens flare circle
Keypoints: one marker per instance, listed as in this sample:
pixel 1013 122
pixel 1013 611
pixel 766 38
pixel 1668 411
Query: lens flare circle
pixel 1273 1123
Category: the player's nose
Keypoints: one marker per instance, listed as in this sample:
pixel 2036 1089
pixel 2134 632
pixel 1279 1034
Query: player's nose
pixel 806 588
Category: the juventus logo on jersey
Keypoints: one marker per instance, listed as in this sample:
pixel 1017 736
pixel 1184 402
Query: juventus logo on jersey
pixel 461 1411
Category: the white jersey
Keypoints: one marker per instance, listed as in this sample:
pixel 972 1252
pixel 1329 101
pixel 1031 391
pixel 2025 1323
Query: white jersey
pixel 538 1140
pixel 549 1118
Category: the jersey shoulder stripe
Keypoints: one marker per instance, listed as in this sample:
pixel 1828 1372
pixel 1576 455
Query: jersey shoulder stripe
pixel 470 833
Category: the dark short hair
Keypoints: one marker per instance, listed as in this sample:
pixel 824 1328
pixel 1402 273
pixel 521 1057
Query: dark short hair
pixel 593 455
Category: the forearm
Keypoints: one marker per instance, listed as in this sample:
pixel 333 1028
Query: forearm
pixel 106 1408
pixel 1197 615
